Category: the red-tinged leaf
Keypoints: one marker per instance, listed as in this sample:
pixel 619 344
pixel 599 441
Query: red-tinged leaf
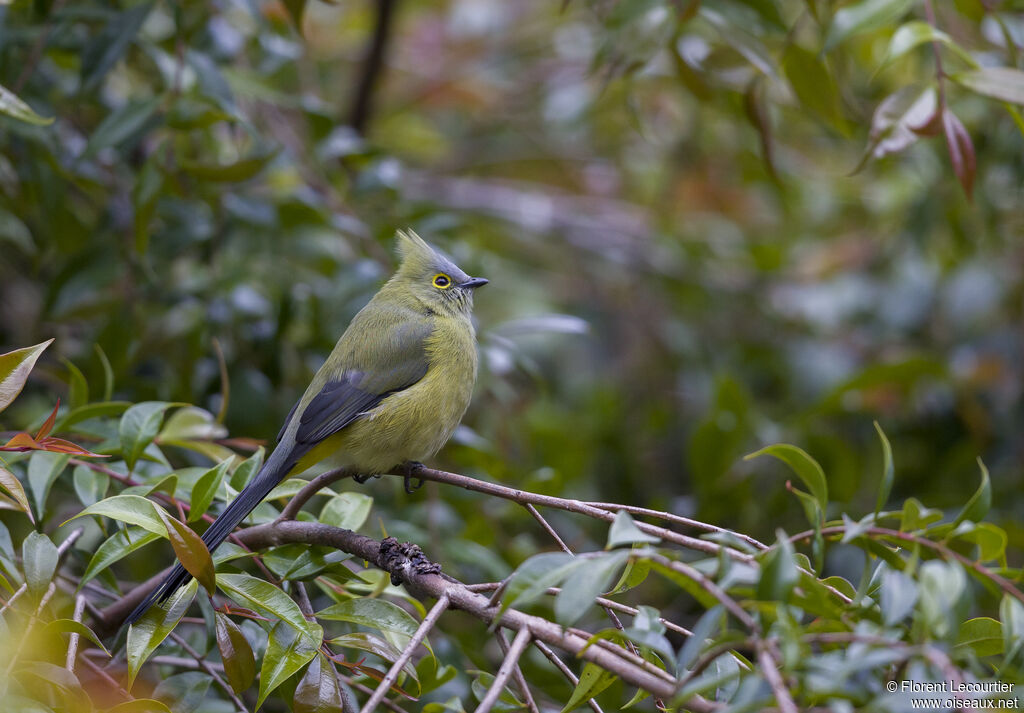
pixel 242 612
pixel 235 652
pixel 191 551
pixel 961 150
pixel 24 442
pixel 47 426
pixel 21 442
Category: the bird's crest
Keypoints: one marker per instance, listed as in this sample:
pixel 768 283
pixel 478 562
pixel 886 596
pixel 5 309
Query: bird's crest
pixel 414 250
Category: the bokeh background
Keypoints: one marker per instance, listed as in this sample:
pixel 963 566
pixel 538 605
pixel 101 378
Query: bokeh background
pixel 684 264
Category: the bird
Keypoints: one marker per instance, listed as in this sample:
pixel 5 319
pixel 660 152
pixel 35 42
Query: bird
pixel 391 392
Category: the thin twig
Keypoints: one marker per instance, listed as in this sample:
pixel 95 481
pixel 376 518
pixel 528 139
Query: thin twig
pixel 210 671
pixel 505 671
pixel 373 64
pixel 74 638
pixel 310 489
pixel 421 633
pixel 769 668
pixel 1000 581
pixel 521 683
pixel 607 603
pixel 110 681
pixel 566 671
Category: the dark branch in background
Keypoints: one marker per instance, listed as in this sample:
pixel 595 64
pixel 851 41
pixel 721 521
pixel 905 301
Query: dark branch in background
pixel 373 64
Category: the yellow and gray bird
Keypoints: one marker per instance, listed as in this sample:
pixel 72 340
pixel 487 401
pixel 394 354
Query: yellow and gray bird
pixel 391 392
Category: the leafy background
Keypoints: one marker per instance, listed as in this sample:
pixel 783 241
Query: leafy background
pixel 686 262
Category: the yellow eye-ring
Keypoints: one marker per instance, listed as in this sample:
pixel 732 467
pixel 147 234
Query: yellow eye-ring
pixel 442 281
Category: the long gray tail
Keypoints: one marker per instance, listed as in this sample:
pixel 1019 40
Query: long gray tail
pixel 272 473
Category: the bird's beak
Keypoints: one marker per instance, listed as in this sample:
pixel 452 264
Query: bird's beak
pixel 474 282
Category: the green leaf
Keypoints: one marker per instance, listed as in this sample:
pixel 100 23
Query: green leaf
pixel 191 423
pixel 1004 83
pixel 778 571
pixel 241 170
pixel 141 705
pixel 120 544
pixel 980 503
pixel 12 105
pixel 371 643
pixel 915 33
pixel 139 427
pixel 133 509
pixel 593 680
pixel 43 469
pixel 373 613
pixel 916 516
pixel 804 466
pixel 155 626
pixel 943 586
pixel 898 596
pixel 90 485
pixel 319 691
pixel 532 578
pixel 77 385
pixel 984 635
pixel 184 691
pixel 12 485
pixel 205 489
pixel 121 124
pixel 990 539
pixel 887 471
pixel 39 559
pixel 84 413
pixel 14 370
pixel 265 598
pixel 585 583
pixel 863 16
pixel 191 551
pixel 625 532
pixel 250 467
pixel 347 510
pixel 106 48
pixel 288 650
pixel 813 85
pixel 235 652
pixel 108 373
pixel 1011 613
pixel 70 626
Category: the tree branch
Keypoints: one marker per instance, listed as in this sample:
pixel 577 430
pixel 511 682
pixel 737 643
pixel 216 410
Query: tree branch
pixel 373 65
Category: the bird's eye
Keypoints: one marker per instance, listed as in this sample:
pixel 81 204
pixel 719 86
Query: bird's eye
pixel 442 281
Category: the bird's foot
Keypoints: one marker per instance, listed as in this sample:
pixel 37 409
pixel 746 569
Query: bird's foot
pixel 363 477
pixel 409 469
pixel 399 558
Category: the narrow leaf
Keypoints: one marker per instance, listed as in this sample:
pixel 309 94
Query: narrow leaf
pixel 155 626
pixel 288 650
pixel 625 532
pixel 191 551
pixel 39 558
pixel 235 652
pixel 978 506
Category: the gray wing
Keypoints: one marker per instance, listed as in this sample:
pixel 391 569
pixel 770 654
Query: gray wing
pixel 394 360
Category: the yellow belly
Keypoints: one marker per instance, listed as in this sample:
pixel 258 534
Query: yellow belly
pixel 409 425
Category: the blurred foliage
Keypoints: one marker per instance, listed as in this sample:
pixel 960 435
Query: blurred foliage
pixel 686 262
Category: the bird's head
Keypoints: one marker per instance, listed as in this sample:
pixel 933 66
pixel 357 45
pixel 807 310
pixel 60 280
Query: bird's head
pixel 433 278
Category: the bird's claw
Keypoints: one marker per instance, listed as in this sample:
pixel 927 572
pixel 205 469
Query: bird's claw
pixel 409 469
pixel 363 477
